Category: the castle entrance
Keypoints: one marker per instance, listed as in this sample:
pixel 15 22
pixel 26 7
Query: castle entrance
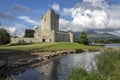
pixel 43 40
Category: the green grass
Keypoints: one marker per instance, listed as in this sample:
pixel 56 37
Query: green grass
pixel 82 74
pixel 49 46
pixel 108 64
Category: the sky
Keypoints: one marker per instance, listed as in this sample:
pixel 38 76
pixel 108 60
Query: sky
pixel 75 15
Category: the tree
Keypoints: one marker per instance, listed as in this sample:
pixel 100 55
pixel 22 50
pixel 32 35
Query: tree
pixel 4 36
pixel 29 33
pixel 83 38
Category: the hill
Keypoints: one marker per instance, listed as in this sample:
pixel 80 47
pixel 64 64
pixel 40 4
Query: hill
pixel 96 36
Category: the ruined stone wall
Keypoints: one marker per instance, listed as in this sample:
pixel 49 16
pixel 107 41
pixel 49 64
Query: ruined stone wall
pixel 25 40
pixel 46 30
pixel 62 37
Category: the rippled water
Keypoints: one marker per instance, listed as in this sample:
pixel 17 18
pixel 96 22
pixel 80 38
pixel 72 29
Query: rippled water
pixel 112 45
pixel 58 70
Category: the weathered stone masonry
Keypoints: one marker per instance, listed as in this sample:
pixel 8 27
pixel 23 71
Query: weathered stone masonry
pixel 48 31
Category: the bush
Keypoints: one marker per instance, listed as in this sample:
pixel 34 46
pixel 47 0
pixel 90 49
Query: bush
pixel 83 39
pixel 4 36
pixel 29 33
pixel 79 50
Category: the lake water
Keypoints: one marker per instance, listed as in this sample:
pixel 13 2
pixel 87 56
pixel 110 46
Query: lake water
pixel 59 70
pixel 112 45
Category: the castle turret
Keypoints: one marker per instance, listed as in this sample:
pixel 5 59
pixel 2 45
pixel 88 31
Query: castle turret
pixel 49 29
pixel 54 17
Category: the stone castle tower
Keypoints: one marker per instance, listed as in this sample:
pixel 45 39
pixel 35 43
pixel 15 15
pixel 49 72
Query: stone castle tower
pixel 49 29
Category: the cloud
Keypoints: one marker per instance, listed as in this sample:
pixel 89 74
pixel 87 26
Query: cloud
pixel 96 2
pixel 20 28
pixel 91 15
pixel 20 8
pixel 87 5
pixel 16 29
pixel 85 19
pixel 6 15
pixel 90 18
pixel 64 24
pixel 28 19
pixel 67 11
pixel 11 30
pixel 55 6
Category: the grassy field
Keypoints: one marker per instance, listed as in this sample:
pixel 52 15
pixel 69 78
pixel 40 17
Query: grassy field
pixel 49 46
pixel 108 64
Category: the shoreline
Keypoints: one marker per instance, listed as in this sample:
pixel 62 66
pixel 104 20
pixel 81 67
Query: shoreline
pixel 22 60
pixel 15 63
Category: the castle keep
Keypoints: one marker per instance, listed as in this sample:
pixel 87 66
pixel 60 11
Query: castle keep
pixel 48 31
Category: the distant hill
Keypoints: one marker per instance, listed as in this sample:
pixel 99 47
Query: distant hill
pixel 95 36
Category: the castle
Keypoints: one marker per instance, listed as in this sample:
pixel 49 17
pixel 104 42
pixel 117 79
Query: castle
pixel 48 31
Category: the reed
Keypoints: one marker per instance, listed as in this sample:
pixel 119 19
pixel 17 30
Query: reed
pixel 108 67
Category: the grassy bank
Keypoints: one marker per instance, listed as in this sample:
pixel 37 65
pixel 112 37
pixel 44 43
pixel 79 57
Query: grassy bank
pixel 49 46
pixel 108 64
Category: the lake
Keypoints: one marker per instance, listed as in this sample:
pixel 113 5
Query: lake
pixel 61 68
pixel 58 70
pixel 112 45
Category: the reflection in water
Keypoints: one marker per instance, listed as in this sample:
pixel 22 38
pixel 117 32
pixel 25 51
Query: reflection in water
pixel 58 70
pixel 39 73
pixel 85 60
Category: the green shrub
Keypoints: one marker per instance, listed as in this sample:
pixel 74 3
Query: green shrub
pixel 82 74
pixel 79 50
pixel 4 36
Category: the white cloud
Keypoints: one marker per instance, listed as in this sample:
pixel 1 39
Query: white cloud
pixel 92 15
pixel 69 26
pixel 16 29
pixel 90 19
pixel 67 11
pixel 64 24
pixel 114 24
pixel 85 19
pixel 97 2
pixel 20 29
pixel 29 20
pixel 55 6
pixel 11 30
pixel 94 1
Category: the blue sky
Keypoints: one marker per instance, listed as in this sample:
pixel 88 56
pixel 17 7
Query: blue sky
pixel 17 15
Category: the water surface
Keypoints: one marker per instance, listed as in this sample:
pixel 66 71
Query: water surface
pixel 112 45
pixel 60 69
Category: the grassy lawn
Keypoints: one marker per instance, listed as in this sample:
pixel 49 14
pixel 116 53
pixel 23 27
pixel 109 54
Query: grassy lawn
pixel 49 46
pixel 108 64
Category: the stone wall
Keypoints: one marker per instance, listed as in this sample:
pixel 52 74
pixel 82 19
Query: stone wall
pixel 25 40
pixel 62 37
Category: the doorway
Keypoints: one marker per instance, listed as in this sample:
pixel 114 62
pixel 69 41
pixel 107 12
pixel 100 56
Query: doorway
pixel 43 40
